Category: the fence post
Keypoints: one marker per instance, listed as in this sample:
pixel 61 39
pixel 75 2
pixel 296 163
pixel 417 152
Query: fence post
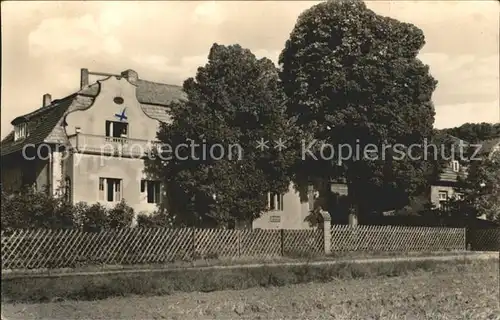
pixel 238 239
pixel 465 239
pixel 193 255
pixel 282 241
pixel 327 232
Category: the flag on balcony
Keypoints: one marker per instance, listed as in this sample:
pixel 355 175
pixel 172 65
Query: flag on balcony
pixel 122 115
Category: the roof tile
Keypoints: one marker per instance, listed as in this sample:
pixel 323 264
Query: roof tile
pixel 41 122
pixel 147 92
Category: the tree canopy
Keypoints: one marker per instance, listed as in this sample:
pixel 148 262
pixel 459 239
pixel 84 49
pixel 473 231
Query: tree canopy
pixel 234 101
pixel 482 186
pixel 475 132
pixel 352 78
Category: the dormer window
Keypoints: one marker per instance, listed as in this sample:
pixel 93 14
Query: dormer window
pixel 20 131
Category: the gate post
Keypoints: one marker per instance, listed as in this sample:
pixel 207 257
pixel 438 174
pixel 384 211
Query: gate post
pixel 327 231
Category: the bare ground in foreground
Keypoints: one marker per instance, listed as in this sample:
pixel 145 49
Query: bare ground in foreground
pixel 472 294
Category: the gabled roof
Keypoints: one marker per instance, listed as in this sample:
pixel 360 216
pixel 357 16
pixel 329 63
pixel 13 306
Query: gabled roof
pixel 44 124
pixel 41 123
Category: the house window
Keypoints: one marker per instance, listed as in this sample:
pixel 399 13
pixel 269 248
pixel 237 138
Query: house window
pixel 443 195
pixel 152 190
pixel 443 199
pixel 275 201
pixel 110 189
pixel 20 131
pixel 455 165
pixel 116 129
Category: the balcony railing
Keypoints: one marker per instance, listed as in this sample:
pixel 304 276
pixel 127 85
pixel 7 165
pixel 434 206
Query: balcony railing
pixel 112 146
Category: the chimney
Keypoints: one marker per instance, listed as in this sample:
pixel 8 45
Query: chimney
pixel 47 99
pixel 84 78
pixel 130 75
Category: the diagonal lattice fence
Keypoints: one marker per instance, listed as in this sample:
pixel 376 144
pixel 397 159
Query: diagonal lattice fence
pixel 483 239
pixel 39 249
pixel 391 238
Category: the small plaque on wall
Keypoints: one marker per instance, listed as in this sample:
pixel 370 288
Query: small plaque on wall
pixel 275 219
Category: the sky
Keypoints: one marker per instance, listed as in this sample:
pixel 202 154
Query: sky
pixel 44 45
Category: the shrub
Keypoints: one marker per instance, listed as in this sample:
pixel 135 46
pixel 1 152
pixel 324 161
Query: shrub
pixel 35 209
pixel 80 210
pixel 157 219
pixel 121 216
pixel 94 218
pixel 30 209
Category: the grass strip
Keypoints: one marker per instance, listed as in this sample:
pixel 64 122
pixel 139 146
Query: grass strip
pixel 165 282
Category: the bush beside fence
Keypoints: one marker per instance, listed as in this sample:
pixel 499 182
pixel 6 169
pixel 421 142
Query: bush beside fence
pixel 42 249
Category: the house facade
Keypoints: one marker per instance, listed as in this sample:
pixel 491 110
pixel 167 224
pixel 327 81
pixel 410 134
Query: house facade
pixel 445 187
pixel 90 146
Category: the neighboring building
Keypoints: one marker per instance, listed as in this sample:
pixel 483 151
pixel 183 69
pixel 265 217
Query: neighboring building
pixel 445 188
pixel 89 147
pixel 290 211
pixel 286 211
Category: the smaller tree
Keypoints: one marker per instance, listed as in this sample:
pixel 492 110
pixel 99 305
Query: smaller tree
pixel 233 102
pixel 482 187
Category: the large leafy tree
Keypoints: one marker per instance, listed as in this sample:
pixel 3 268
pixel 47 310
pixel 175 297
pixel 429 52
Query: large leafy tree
pixel 352 78
pixel 234 101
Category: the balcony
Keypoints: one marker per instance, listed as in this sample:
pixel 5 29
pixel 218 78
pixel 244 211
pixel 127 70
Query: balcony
pixel 111 146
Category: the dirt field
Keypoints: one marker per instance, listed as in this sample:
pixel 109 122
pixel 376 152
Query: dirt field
pixel 468 295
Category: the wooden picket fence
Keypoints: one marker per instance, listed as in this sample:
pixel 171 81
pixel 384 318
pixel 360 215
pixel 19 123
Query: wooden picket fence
pixel 42 249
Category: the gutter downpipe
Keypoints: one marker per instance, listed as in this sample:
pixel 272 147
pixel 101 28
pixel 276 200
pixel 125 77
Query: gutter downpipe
pixel 50 170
